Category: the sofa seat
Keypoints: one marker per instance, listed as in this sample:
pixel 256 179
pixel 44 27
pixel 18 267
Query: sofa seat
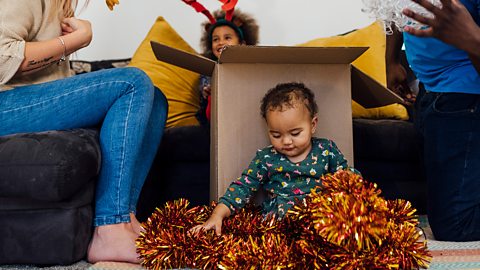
pixel 388 152
pixel 181 169
pixel 47 182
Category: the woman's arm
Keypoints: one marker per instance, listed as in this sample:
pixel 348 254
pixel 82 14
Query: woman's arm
pixel 396 73
pixel 38 55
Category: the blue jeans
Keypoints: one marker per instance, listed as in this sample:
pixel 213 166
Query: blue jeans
pixel 131 115
pixel 450 125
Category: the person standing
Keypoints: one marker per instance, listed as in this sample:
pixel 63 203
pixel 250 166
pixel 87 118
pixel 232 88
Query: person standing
pixel 445 57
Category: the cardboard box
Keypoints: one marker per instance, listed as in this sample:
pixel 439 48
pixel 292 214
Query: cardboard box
pixel 244 74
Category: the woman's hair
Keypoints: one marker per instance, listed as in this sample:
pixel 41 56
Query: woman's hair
pixel 286 95
pixel 247 25
pixel 64 8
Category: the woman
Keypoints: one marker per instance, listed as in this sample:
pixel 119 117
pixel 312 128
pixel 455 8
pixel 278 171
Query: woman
pixel 36 37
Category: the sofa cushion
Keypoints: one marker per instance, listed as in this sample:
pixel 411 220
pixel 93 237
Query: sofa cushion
pixel 179 85
pixel 181 169
pixel 48 166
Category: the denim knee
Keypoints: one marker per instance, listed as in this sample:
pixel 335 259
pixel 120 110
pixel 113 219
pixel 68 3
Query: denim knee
pixel 136 76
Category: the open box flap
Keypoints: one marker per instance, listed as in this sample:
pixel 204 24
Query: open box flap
pixel 258 54
pixel 192 62
pixel 290 55
pixel 365 90
pixel 370 93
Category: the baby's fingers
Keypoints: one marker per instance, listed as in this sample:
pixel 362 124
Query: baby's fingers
pixel 218 230
pixel 195 230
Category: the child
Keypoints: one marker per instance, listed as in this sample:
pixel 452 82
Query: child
pixel 291 166
pixel 242 29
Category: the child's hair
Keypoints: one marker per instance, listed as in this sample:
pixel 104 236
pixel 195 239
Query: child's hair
pixel 286 95
pixel 246 24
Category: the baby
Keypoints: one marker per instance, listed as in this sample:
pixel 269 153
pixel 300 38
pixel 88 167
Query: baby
pixel 291 166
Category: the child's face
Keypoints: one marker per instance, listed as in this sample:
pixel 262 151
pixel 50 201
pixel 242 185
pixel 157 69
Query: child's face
pixel 290 131
pixel 223 36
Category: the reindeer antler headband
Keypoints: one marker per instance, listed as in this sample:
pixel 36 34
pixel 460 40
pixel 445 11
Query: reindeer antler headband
pixel 228 6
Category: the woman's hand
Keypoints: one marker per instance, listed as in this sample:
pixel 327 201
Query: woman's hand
pixel 79 31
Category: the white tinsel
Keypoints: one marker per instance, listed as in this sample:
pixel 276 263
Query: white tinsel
pixel 390 13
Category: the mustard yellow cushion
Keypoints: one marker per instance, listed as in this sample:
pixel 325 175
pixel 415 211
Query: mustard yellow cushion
pixel 372 62
pixel 179 85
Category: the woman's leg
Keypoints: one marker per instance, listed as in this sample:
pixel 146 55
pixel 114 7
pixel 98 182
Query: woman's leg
pixel 155 128
pixel 121 101
pixel 114 239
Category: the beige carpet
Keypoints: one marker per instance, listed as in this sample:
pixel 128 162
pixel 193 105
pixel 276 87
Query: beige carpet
pixel 81 265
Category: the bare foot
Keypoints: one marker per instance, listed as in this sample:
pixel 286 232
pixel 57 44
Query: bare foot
pixel 114 242
pixel 136 225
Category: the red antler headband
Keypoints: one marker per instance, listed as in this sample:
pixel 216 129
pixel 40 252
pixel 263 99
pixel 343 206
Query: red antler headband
pixel 228 7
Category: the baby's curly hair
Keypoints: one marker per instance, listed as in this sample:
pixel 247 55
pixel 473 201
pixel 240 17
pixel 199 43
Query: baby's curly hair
pixel 286 95
pixel 248 26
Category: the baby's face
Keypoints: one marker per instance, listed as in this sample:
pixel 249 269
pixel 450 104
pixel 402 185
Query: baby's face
pixel 290 131
pixel 223 36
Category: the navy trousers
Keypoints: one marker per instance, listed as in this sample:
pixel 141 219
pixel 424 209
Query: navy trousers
pixel 450 126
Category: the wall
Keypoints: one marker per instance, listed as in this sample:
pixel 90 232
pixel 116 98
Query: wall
pixel 282 22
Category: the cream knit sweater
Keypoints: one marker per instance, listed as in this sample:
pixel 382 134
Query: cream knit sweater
pixel 24 21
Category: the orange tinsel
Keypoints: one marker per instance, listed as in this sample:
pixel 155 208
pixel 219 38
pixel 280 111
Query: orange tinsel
pixel 345 224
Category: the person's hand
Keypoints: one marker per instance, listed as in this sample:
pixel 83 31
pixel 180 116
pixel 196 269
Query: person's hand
pixel 214 222
pixel 397 82
pixel 451 23
pixel 206 91
pixel 81 29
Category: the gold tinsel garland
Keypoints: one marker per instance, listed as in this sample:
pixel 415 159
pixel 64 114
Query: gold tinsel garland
pixel 345 224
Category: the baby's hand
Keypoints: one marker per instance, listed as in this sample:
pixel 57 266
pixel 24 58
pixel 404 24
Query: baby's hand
pixel 213 223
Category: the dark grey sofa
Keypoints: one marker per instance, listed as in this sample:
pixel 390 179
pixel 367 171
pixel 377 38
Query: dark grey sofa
pixel 47 184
